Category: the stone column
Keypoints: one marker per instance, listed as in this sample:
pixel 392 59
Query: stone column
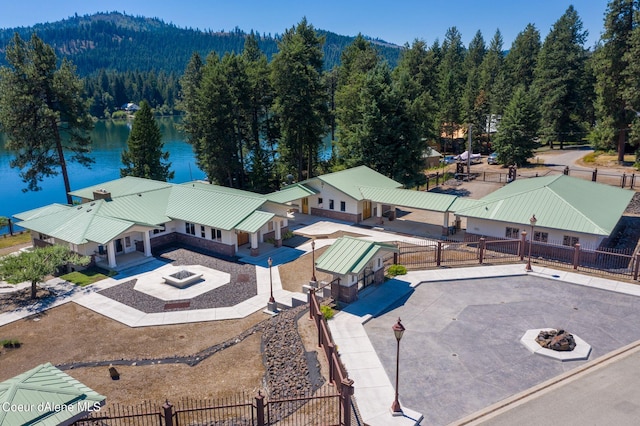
pixel 147 244
pixel 379 220
pixel 445 224
pixel 278 234
pixel 111 254
pixel 254 244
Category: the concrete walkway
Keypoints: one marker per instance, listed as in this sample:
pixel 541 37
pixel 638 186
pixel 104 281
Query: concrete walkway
pixel 366 344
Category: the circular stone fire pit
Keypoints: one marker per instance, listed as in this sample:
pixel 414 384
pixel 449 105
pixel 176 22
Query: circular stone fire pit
pixel 569 348
pixel 182 278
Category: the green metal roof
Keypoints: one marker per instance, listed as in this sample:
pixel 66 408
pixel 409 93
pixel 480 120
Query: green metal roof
pixel 123 186
pixel 350 255
pixel 462 203
pixel 41 211
pixel 222 210
pixel 147 208
pixel 408 198
pixel 254 222
pixel 224 189
pixel 79 224
pixel 349 181
pixel 42 389
pixel 290 193
pixel 559 202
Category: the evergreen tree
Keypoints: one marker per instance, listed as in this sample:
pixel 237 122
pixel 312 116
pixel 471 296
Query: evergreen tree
pixel 610 62
pixel 300 98
pixel 493 85
pixel 43 113
pixel 520 63
pixel 261 167
pixel 473 99
pixel 450 85
pixel 516 137
pixel 144 156
pixel 358 59
pixel 558 80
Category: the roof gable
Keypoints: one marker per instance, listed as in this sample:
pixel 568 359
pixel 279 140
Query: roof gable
pixel 349 181
pixel 348 255
pixel 408 198
pixel 45 387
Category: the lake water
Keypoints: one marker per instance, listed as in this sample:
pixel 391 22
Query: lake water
pixel 109 138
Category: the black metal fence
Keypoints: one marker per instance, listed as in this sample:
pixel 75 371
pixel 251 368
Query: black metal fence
pixel 322 408
pixel 425 254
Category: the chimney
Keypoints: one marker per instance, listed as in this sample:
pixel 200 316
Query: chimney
pixel 101 194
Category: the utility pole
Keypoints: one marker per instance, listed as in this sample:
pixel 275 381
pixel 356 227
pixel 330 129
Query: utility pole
pixel 469 152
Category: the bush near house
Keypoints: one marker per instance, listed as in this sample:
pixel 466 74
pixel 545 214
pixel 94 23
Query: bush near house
pixel 397 270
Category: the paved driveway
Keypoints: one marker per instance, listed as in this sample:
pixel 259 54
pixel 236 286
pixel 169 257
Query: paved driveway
pixel 461 350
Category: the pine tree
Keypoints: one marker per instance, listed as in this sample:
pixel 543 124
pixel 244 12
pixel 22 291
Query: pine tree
pixel 144 156
pixel 473 99
pixel 43 113
pixel 300 98
pixel 558 80
pixel 610 62
pixel 450 85
pixel 518 130
pixel 520 63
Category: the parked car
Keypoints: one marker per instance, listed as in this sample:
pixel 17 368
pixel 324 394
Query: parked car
pixel 493 158
pixel 449 159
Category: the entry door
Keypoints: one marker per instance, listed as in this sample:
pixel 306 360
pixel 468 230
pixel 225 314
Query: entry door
pixel 305 206
pixel 243 238
pixel 119 245
pixel 366 209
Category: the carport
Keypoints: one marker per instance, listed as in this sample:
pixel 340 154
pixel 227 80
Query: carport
pixel 421 200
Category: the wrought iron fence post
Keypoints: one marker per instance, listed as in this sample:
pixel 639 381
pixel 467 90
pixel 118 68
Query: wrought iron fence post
pixel 439 253
pixel 311 296
pixel 330 352
pixel 481 245
pixel 167 410
pixel 523 243
pixel 259 398
pixel 346 391
pixel 594 175
pixel 636 267
pixel 576 256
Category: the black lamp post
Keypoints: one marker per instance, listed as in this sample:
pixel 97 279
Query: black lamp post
pixel 313 261
pixel 398 330
pixel 271 299
pixel 532 221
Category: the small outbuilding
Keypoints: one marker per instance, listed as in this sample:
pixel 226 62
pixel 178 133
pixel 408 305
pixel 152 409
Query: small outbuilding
pixel 357 263
pixel 45 396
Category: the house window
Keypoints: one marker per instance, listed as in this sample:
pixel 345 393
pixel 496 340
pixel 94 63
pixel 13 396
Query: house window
pixel 44 236
pixel 330 204
pixel 319 201
pixel 203 232
pixel 216 234
pixel 512 232
pixel 568 240
pixel 163 228
pixel 127 241
pixel 343 206
pixel 190 228
pixel 379 262
pixel 543 237
pixel 270 226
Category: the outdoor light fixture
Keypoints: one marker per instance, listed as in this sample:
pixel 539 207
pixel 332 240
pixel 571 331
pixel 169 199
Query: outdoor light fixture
pixel 532 221
pixel 398 331
pixel 270 262
pixel 313 261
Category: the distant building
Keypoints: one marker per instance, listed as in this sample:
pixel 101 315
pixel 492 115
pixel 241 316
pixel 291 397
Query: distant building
pixel 130 107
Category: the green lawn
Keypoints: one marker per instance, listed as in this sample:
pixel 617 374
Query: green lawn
pixel 86 277
pixel 8 241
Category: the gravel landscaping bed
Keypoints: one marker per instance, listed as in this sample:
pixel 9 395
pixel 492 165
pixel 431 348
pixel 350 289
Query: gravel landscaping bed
pixel 243 285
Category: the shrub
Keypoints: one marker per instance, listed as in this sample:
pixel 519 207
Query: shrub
pixel 327 312
pixel 397 270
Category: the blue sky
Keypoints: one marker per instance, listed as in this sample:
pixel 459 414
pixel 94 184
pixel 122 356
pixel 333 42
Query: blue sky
pixel 397 21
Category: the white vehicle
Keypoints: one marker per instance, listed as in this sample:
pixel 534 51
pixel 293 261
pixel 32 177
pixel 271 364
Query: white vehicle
pixel 475 158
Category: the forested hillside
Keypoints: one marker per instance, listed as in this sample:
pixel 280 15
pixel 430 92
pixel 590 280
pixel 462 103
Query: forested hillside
pixel 118 42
